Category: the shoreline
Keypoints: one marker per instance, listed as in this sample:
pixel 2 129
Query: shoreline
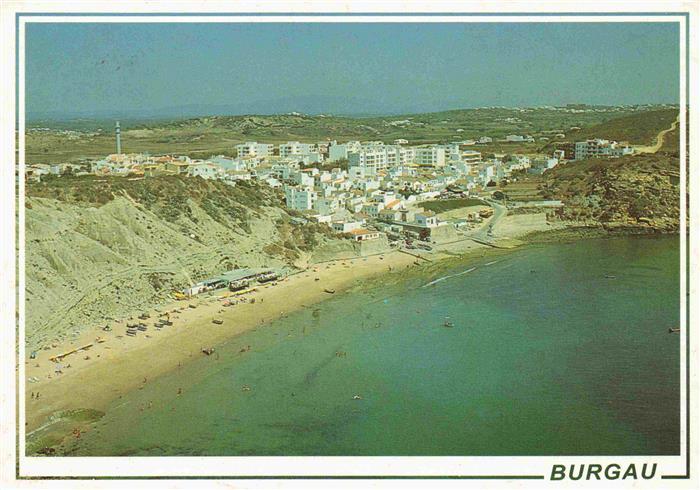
pixel 127 363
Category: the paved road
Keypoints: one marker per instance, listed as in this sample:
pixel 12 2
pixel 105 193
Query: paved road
pixel 481 233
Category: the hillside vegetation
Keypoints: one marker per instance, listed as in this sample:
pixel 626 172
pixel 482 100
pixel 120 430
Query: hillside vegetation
pixel 629 191
pixel 204 136
pixel 100 248
pixel 637 129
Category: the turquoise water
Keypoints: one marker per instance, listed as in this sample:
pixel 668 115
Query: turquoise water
pixel 547 356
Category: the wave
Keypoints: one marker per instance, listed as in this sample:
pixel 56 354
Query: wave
pixel 440 279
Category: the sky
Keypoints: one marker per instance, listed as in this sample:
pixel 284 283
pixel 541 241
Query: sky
pixel 153 69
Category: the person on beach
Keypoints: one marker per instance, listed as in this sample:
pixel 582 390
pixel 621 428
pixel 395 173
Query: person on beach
pixel 179 391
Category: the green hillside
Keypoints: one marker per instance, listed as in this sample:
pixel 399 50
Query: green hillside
pixel 204 136
pixel 637 129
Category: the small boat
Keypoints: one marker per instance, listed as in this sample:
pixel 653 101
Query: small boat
pixel 142 328
pixel 208 350
pixel 357 397
pixel 131 333
pixel 192 306
pixel 448 323
pixel 674 330
pixel 610 276
pixel 329 291
pixel 217 321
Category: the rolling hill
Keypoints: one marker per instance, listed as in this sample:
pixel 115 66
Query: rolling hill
pixel 203 136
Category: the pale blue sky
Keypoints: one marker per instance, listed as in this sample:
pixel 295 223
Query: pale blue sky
pixel 151 69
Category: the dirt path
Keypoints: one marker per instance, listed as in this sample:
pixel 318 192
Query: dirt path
pixel 659 140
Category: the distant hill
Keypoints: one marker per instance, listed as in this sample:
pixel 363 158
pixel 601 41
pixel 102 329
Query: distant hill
pixel 638 129
pixel 204 136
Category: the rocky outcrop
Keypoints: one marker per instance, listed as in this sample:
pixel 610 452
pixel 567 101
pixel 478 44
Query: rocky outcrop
pixel 641 192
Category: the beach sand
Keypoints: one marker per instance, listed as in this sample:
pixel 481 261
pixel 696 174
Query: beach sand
pixel 106 370
pixel 116 364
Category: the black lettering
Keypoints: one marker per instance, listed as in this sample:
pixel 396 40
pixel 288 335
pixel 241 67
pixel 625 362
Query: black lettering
pixel 594 470
pixel 612 475
pixel 644 471
pixel 558 472
pixel 631 471
pixel 580 473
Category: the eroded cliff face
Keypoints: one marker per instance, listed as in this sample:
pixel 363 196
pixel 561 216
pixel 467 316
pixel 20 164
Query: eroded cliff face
pixel 108 248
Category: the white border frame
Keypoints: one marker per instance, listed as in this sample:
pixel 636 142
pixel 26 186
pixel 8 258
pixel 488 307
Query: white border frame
pixel 344 466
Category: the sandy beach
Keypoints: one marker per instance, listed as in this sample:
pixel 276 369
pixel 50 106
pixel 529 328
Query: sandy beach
pixel 115 363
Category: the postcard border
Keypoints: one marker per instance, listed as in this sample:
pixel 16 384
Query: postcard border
pixel 686 238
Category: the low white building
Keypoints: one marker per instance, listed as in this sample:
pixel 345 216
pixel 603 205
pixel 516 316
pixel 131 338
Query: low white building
pixel 597 148
pixel 345 226
pixel 427 219
pixel 205 170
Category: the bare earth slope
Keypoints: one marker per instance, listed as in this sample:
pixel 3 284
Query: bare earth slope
pixel 91 261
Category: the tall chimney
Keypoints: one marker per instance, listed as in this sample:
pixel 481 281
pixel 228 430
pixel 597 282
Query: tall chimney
pixel 118 132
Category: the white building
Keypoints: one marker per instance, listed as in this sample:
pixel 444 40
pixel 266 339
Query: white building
pixel 205 170
pixel 340 152
pixel 371 159
pixel 346 226
pixel 327 205
pixel 514 138
pixel 431 156
pixel 426 219
pixel 300 199
pixel 295 148
pixel 597 148
pixel 253 148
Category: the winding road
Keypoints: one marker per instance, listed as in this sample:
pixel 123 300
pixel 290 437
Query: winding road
pixel 659 139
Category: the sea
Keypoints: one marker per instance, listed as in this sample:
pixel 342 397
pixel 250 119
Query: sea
pixel 552 349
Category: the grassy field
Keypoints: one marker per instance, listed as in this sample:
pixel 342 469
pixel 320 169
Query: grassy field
pixel 637 129
pixel 445 205
pixel 527 188
pixel 202 137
